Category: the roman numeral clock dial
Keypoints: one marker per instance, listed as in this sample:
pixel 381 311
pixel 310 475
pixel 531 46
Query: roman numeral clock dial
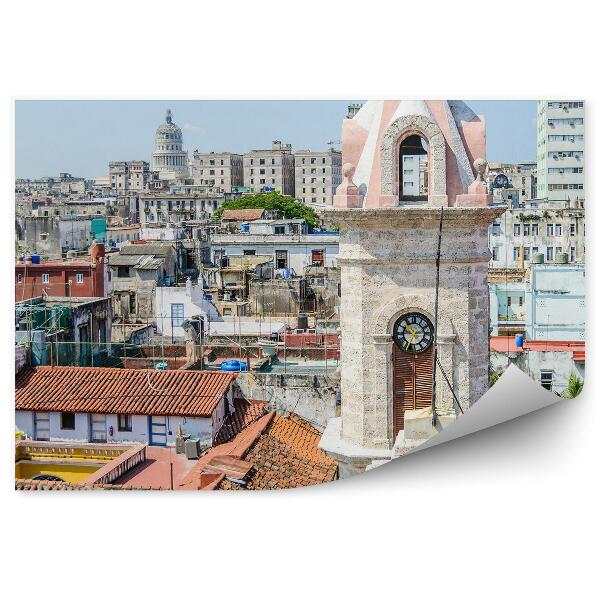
pixel 413 332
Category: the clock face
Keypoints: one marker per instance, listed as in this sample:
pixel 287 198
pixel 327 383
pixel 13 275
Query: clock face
pixel 413 332
pixel 501 181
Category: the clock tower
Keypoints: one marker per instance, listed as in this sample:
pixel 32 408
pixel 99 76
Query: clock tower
pixel 413 213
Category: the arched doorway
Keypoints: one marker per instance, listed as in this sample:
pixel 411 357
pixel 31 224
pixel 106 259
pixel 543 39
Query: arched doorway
pixel 413 169
pixel 412 366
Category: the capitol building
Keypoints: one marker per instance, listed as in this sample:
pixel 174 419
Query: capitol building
pixel 169 158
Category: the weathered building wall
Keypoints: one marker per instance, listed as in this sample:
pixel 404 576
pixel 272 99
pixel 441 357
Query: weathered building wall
pixel 312 397
pixel 275 296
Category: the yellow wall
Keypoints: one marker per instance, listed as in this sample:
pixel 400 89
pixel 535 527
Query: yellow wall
pixel 71 472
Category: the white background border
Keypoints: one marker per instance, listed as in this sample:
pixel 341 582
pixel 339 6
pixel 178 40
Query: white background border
pixel 510 512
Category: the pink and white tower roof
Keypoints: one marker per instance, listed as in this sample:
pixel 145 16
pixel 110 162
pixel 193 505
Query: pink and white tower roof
pixel 370 150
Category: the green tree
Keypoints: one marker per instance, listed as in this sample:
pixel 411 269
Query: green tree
pixel 285 206
pixel 574 387
pixel 494 376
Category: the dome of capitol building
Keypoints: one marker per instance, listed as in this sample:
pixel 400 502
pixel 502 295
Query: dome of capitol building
pixel 169 155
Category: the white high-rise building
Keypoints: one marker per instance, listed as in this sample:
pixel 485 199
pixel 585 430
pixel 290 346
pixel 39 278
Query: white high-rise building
pixel 169 159
pixel 560 139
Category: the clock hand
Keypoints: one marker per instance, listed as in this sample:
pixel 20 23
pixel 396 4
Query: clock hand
pixel 412 338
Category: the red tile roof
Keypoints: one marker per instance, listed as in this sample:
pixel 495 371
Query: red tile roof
pixel 282 451
pixel 505 343
pixel 286 455
pixel 121 391
pixel 242 214
pixel 246 411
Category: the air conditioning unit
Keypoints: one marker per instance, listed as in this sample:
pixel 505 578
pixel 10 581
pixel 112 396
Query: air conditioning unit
pixel 192 448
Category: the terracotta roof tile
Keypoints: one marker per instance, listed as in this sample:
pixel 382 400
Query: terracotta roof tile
pixel 246 411
pixel 283 452
pixel 121 391
pixel 242 214
pixel 286 456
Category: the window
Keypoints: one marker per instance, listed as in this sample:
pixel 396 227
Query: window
pixel 19 277
pixel 124 422
pixel 45 278
pixel 79 278
pixel 526 229
pixel 558 229
pixel 67 420
pixel 546 378
pixel 517 229
pixel 122 271
pixel 572 229
pixel 550 229
pixel 495 253
pixel 534 229
pixel 520 300
pixel 176 315
pixel 227 312
pixel 495 228
pixel 249 252
pixel 281 259
pixel 572 254
pixel 509 301
pixel 279 229
pixel 549 253
pixel 526 253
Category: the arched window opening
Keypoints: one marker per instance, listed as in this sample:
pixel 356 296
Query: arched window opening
pixel 413 166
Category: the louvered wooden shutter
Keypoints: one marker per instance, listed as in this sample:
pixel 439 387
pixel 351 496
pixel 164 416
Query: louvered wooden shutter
pixel 412 386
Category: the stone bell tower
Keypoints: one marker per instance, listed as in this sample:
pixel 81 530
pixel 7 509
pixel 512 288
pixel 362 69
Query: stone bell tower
pixel 412 168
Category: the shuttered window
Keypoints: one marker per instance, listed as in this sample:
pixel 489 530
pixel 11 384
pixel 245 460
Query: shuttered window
pixel 412 385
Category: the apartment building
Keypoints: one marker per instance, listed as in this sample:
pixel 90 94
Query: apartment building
pixel 266 170
pixel 554 230
pixel 317 176
pixel 129 175
pixel 171 208
pixel 560 147
pixel 218 171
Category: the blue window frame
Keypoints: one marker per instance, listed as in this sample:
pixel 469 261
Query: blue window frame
pixel 177 315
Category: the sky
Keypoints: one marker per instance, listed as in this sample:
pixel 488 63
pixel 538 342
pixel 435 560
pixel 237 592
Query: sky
pixel 81 136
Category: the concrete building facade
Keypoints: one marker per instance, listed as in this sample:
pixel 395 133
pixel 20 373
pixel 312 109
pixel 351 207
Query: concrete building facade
pixel 222 171
pixel 317 176
pixel 270 169
pixel 129 175
pixel 288 250
pixel 553 230
pixel 560 149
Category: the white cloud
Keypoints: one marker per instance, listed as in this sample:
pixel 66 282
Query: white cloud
pixel 194 128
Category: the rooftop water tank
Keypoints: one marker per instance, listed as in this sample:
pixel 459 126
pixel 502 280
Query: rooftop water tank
pixel 234 365
pixel 36 259
pixel 562 258
pixel 538 258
